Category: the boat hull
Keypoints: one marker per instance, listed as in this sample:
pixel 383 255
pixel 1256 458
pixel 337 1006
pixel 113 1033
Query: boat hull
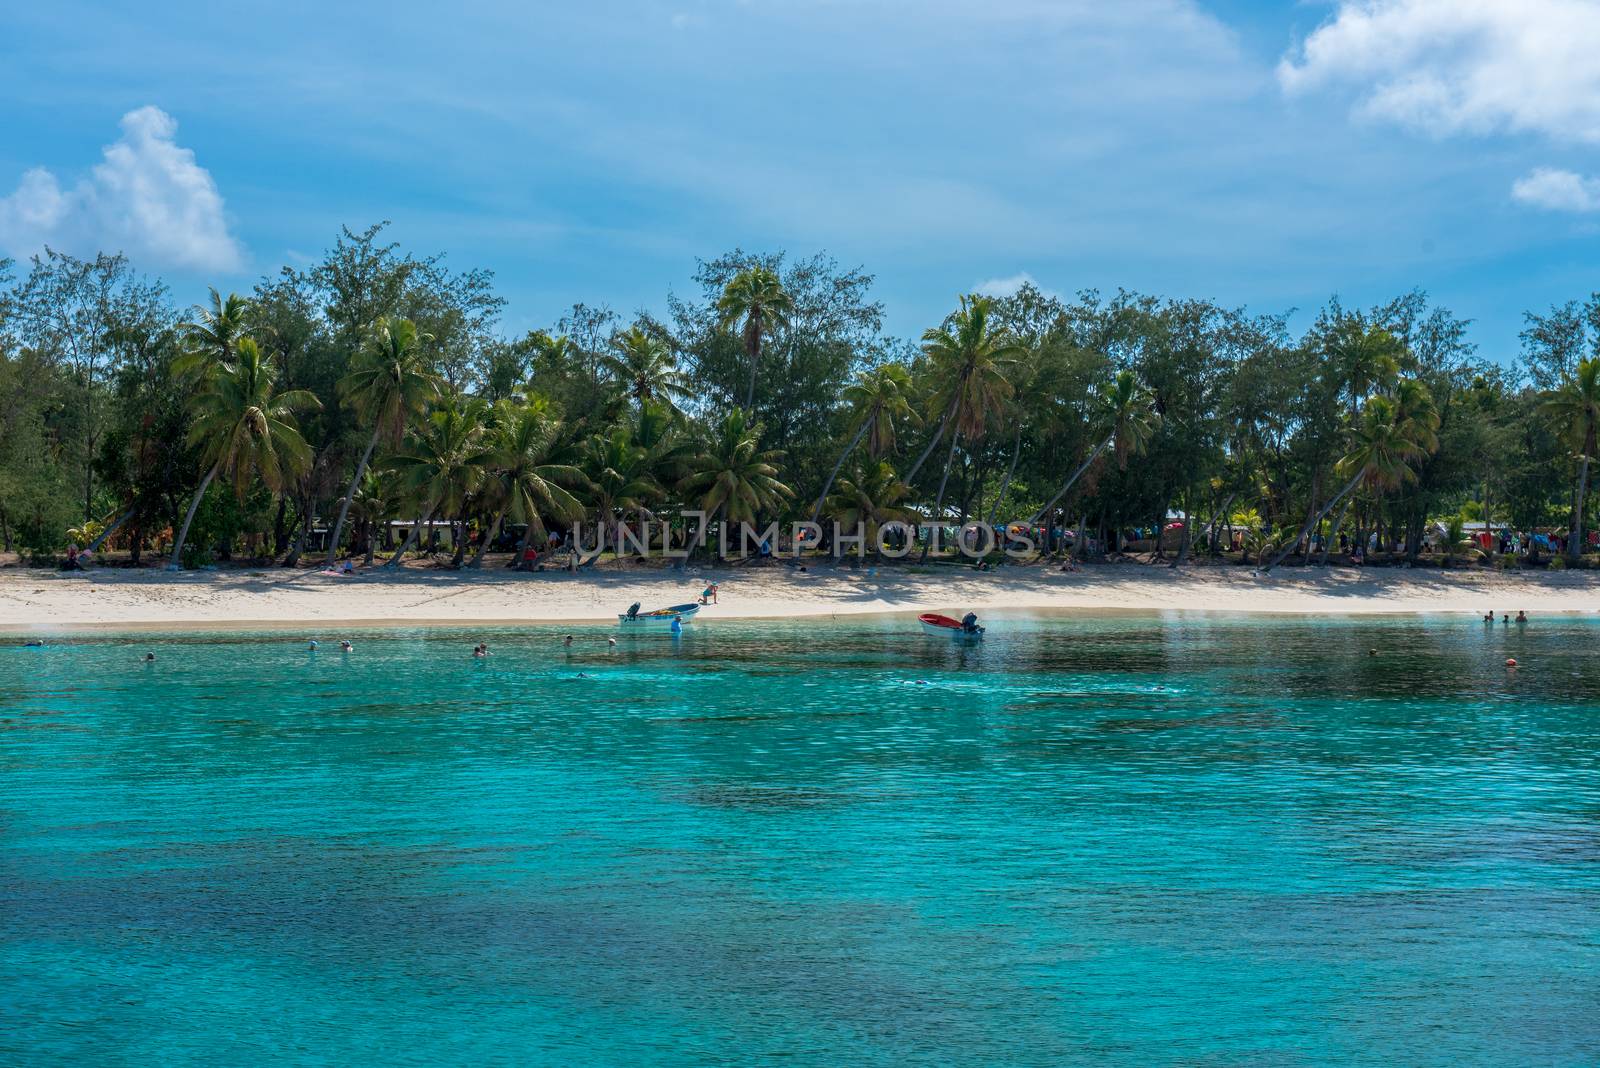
pixel 661 617
pixel 945 627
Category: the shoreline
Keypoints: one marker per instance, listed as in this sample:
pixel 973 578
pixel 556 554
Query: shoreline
pixel 266 599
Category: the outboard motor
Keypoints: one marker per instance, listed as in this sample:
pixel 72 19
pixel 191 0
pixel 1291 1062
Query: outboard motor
pixel 969 622
pixel 633 610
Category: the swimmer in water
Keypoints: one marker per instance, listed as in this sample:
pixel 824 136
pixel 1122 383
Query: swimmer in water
pixel 313 646
pixel 612 642
pixel 567 641
pixel 345 646
pixel 149 657
pixel 1522 617
pixel 479 652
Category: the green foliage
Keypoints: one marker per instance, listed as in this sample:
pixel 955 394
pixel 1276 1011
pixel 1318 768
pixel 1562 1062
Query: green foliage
pixel 379 379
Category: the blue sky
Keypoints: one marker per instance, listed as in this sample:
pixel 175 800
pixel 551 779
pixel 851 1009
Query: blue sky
pixel 1254 153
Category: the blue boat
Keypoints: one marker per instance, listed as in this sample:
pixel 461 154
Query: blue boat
pixel 660 617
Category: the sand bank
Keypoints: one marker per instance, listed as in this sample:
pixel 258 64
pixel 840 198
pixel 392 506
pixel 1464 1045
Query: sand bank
pixel 113 598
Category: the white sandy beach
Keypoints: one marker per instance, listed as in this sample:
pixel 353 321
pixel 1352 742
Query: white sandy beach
pixel 33 600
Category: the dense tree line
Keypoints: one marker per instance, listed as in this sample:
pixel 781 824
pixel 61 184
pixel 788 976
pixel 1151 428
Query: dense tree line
pixel 378 386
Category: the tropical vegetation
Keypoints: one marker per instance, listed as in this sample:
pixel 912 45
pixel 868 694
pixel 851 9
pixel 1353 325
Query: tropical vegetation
pixel 371 401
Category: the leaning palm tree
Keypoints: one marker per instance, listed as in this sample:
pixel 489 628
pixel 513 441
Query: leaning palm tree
pixel 209 339
pixel 446 460
pixel 869 497
pixel 1574 410
pixel 878 399
pixel 731 477
pixel 1385 441
pixel 971 357
pixel 644 366
pixel 1125 412
pixel 756 296
pixel 390 387
pixel 244 426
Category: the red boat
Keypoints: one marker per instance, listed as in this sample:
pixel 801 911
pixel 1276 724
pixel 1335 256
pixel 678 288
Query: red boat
pixel 946 627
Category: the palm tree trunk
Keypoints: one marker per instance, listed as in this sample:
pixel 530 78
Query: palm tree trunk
pixel 522 548
pixel 755 361
pixel 344 509
pixel 1187 539
pixel 944 423
pixel 94 546
pixel 848 449
pixel 183 534
pixel 1210 533
pixel 460 552
pixel 1093 456
pixel 1575 542
pixel 483 546
pixel 1005 484
pixel 1333 531
pixel 1312 522
pixel 938 501
pixel 405 546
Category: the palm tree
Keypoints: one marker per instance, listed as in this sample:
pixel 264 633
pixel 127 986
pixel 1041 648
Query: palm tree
pixel 869 497
pixel 731 477
pixel 970 359
pixel 963 349
pixel 532 478
pixel 390 386
pixel 644 365
pixel 1125 410
pixel 446 459
pixel 878 398
pixel 243 426
pixel 210 337
pixel 1366 358
pixel 619 476
pixel 755 295
pixel 1574 409
pixel 1385 440
pixel 377 500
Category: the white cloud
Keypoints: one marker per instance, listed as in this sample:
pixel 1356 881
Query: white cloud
pixel 1009 287
pixel 1462 66
pixel 147 197
pixel 1557 190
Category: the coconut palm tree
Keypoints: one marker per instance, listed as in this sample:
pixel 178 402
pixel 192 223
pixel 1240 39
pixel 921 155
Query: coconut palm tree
pixel 532 463
pixel 731 477
pixel 243 427
pixel 869 497
pixel 971 357
pixel 620 479
pixel 756 296
pixel 210 337
pixel 377 500
pixel 1366 358
pixel 1574 410
pixel 1385 441
pixel 878 399
pixel 1125 410
pixel 390 387
pixel 444 462
pixel 644 366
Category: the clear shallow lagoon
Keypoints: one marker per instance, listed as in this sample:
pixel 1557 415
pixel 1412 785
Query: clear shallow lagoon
pixel 1126 840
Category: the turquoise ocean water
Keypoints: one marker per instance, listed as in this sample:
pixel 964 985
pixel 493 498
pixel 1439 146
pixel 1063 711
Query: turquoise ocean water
pixel 1122 840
